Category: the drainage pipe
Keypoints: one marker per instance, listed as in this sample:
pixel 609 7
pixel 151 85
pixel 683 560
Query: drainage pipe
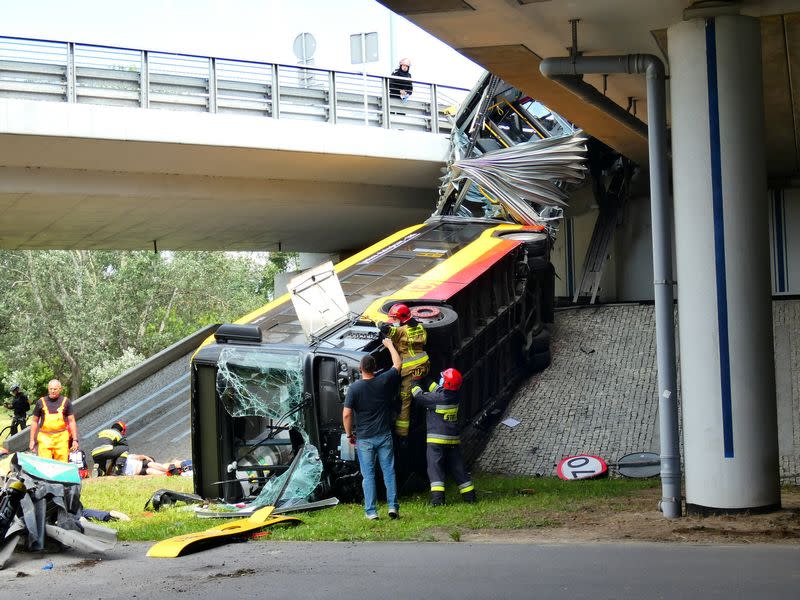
pixel 652 66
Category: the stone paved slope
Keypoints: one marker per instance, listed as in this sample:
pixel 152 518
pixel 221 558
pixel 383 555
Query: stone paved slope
pixel 599 394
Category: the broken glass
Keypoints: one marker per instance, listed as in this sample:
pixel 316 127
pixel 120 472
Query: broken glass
pixel 261 384
pixel 303 479
pixel 269 385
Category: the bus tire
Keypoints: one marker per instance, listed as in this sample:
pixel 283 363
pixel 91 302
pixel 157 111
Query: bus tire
pixel 539 361
pixel 442 333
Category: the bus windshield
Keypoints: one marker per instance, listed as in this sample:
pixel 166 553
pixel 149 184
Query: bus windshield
pixel 261 384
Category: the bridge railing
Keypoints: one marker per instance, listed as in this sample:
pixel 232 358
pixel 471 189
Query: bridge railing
pixel 90 74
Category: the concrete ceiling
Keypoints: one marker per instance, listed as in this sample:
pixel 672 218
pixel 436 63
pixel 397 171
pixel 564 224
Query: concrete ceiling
pixel 511 37
pixel 85 176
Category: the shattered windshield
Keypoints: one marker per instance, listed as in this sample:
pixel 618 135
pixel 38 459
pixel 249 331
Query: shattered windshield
pixel 261 384
pixel 267 387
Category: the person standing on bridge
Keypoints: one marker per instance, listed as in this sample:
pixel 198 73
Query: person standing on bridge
pixel 53 425
pixel 400 85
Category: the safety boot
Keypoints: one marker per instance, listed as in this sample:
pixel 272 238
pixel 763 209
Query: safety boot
pixel 437 498
pixel 469 497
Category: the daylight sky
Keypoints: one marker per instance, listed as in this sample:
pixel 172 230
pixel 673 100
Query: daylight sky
pixel 261 30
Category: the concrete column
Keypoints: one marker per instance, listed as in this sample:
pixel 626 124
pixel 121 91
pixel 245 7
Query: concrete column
pixel 722 236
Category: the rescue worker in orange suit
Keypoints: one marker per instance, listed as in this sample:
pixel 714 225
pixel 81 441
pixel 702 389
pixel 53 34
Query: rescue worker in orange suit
pixel 409 337
pixel 443 441
pixel 112 452
pixel 54 425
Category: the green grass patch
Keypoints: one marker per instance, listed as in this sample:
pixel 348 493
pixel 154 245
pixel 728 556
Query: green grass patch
pixel 5 420
pixel 504 503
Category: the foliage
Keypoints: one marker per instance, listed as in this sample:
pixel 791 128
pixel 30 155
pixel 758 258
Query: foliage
pixel 73 314
pixel 113 366
pixel 278 262
pixel 502 505
pixel 32 379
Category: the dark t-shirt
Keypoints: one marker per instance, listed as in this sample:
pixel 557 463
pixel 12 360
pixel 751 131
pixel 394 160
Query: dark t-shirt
pixel 52 406
pixel 371 399
pixel 20 405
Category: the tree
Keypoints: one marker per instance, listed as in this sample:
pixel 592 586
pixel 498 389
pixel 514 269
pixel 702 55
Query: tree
pixel 277 262
pixel 77 310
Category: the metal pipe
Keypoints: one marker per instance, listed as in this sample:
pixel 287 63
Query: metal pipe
pixel 662 246
pixel 144 80
pixel 70 73
pixel 212 85
pixel 434 109
pixel 561 71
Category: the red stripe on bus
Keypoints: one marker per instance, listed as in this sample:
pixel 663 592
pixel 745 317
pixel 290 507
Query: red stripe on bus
pixel 470 273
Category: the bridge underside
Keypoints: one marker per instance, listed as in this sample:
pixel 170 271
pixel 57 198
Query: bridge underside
pixel 94 177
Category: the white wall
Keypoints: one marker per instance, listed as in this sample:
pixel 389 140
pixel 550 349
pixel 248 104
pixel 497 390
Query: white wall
pixel 634 249
pixel 784 238
pixel 632 256
pixel 259 30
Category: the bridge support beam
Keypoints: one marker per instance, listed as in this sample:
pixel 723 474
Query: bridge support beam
pixel 719 176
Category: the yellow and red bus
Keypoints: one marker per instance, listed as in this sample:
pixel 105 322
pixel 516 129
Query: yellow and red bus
pixel 481 285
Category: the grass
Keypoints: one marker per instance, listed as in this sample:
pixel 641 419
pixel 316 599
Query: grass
pixel 5 420
pixel 504 503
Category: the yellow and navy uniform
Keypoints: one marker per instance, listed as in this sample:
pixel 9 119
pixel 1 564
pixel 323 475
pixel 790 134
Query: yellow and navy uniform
pixel 53 436
pixel 409 339
pixel 443 442
pixel 113 447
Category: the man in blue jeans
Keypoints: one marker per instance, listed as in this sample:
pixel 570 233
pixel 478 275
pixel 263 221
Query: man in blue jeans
pixel 371 399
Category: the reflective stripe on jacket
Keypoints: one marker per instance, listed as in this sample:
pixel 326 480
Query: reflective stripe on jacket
pixel 409 339
pixel 442 414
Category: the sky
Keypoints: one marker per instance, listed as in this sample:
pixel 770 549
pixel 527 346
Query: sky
pixel 260 30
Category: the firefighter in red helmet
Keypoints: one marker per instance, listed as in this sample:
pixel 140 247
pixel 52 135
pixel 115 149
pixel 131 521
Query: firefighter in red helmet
pixel 409 337
pixel 443 441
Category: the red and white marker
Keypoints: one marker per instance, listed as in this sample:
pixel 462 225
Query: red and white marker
pixel 582 466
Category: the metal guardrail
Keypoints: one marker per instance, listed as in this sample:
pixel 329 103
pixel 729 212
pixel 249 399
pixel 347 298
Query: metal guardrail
pixel 89 74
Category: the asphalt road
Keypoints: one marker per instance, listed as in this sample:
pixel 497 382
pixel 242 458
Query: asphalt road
pixel 434 570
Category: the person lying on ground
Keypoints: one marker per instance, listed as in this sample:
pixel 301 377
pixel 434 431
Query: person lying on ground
pixel 141 464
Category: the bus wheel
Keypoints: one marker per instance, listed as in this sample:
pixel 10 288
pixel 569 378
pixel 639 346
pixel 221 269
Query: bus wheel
pixel 539 361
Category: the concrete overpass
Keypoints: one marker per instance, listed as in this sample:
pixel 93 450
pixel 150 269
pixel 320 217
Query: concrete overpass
pixel 730 70
pixel 510 39
pixel 244 156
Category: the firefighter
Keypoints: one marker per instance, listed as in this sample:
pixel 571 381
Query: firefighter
pixel 409 337
pixel 443 442
pixel 110 455
pixel 54 425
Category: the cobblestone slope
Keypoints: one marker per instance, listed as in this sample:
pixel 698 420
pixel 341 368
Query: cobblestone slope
pixel 599 394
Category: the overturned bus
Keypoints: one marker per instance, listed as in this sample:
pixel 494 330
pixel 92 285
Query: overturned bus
pixel 477 275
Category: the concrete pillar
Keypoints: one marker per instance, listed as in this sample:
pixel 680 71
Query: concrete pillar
pixel 722 236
